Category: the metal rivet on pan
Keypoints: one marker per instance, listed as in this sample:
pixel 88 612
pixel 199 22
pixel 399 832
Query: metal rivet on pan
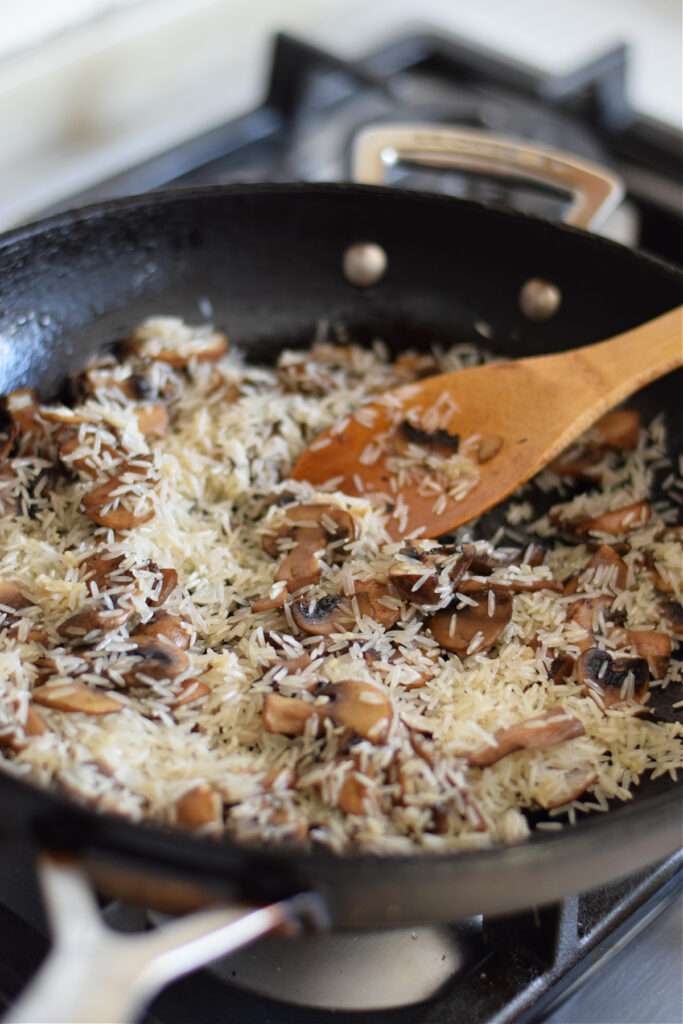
pixel 364 264
pixel 539 300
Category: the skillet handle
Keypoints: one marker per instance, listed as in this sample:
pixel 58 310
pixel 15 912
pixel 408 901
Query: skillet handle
pixel 94 975
pixel 595 191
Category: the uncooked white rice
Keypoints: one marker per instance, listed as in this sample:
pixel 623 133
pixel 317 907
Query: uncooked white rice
pixel 193 746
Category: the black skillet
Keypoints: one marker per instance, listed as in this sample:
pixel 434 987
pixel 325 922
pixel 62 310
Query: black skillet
pixel 268 260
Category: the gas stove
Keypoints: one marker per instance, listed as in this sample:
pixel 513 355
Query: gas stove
pixel 581 960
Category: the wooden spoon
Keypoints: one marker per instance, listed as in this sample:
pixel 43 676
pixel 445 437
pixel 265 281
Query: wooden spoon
pixel 524 411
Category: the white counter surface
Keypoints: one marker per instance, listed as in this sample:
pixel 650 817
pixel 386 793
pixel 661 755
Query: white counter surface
pixel 89 87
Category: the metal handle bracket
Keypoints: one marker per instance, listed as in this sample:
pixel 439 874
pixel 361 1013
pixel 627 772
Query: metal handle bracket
pixel 595 192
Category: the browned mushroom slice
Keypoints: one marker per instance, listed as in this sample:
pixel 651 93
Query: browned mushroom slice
pixel 472 629
pixel 7 442
pixel 292 665
pixel 155 341
pixel 485 562
pixel 374 602
pixel 618 429
pixel 489 447
pixel 605 558
pixel 359 706
pixel 654 647
pixel 110 378
pixel 277 598
pixel 286 715
pixel 189 691
pixel 672 612
pixel 560 667
pixel 545 730
pixel 71 695
pixel 353 793
pixel 98 568
pixel 312 527
pixel 425 574
pixel 589 613
pixel 94 620
pixel 19 737
pixel 613 680
pixel 12 596
pixel 408 436
pixel 152 420
pixel 103 503
pixel 169 581
pixel 649 562
pixel 22 407
pixel 85 462
pixel 614 522
pixel 171 627
pixel 569 785
pixel 159 659
pixel 199 807
pixel 322 618
pixel 513 586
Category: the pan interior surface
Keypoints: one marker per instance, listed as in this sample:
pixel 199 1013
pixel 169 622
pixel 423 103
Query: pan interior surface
pixel 267 263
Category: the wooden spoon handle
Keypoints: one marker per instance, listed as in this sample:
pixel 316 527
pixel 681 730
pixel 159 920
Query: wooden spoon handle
pixel 619 366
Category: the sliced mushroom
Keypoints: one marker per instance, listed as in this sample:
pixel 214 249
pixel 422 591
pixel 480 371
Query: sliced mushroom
pixel 359 706
pixel 672 612
pixel 489 447
pixel 560 667
pixel 277 598
pixel 616 431
pixel 545 730
pixel 485 562
pixel 191 690
pixel 12 596
pixel 169 581
pixel 604 558
pixel 7 442
pixel 312 527
pixel 613 680
pixel 353 793
pixel 93 621
pixel 615 521
pixel 472 629
pixel 110 378
pixel 159 659
pixel 199 807
pixel 22 407
pixel 408 437
pixel 333 614
pixel 85 462
pixel 569 786
pixel 71 695
pixel 322 618
pixel 427 574
pixel 292 665
pixel 19 737
pixel 103 504
pixel 649 562
pixel 374 602
pixel 170 627
pixel 152 420
pixel 167 340
pixel 654 647
pixel 589 614
pixel 512 586
pixel 286 716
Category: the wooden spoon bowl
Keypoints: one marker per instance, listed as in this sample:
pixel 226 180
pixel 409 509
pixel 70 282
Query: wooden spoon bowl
pixel 509 418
